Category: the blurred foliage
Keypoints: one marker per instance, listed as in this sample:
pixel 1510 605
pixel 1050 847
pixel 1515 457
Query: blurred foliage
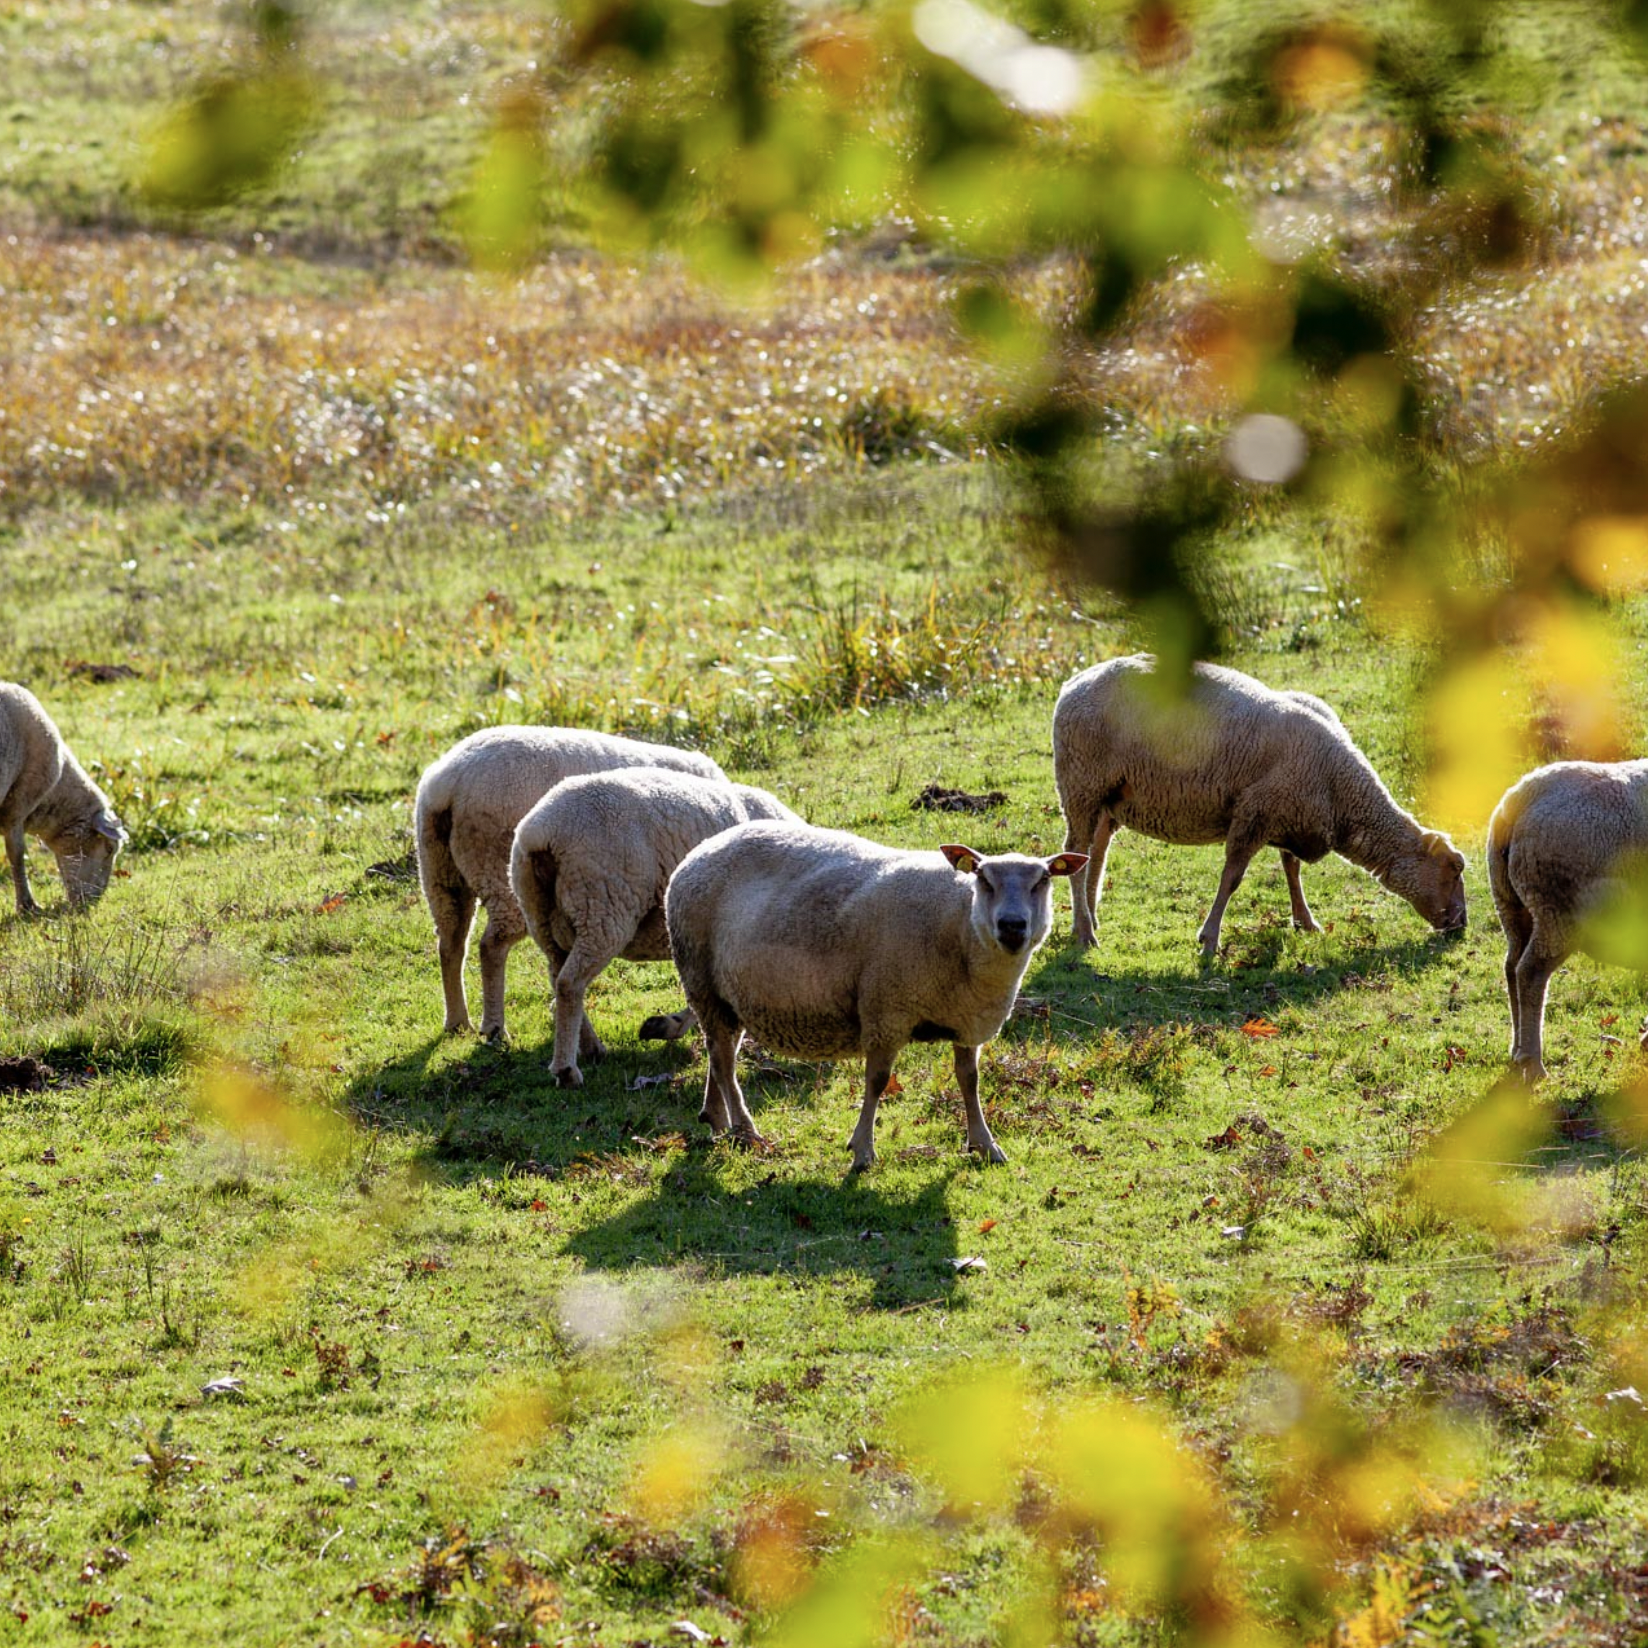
pixel 231 132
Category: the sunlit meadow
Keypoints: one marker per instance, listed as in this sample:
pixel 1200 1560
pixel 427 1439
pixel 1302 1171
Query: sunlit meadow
pixel 1288 1319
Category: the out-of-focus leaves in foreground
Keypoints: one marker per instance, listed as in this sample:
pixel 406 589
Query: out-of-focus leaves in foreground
pixel 232 131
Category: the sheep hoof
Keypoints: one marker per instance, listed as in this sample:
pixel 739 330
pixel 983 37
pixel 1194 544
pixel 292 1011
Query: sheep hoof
pixel 988 1151
pixel 455 1028
pixel 571 1076
pixel 497 1035
pixel 1532 1071
pixel 1310 926
pixel 747 1138
pixel 863 1161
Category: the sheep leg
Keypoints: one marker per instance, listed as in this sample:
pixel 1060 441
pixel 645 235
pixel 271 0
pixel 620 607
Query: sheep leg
pixel 19 876
pixel 1087 884
pixel 713 1112
pixel 500 937
pixel 1519 931
pixel 878 1071
pixel 724 1107
pixel 1533 976
pixel 979 1136
pixel 1238 855
pixel 574 1034
pixel 1302 918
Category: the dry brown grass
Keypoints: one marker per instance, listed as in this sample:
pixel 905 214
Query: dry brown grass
pixel 144 364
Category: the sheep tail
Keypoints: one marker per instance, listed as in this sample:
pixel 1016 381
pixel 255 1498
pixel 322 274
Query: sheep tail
pixel 443 882
pixel 1499 862
pixel 537 890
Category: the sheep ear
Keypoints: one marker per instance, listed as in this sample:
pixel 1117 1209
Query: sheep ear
pixel 963 858
pixel 110 827
pixel 1438 846
pixel 1066 863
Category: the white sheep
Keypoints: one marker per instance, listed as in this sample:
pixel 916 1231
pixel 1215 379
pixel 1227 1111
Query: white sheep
pixel 589 868
pixel 1568 865
pixel 46 793
pixel 464 819
pixel 825 945
pixel 1237 762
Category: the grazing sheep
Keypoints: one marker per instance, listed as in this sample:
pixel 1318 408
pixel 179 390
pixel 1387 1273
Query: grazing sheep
pixel 826 945
pixel 589 868
pixel 1239 763
pixel 468 805
pixel 1567 851
pixel 45 792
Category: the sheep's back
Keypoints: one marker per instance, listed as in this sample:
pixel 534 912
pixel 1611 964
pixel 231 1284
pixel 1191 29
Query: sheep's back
pixel 1176 771
pixel 784 923
pixel 761 805
pixel 32 754
pixel 506 769
pixel 1567 828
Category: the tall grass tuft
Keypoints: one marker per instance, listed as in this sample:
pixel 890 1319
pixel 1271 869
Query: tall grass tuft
pixel 101 992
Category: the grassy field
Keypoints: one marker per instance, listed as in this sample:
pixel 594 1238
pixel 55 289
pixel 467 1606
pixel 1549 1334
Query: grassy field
pixel 1286 1321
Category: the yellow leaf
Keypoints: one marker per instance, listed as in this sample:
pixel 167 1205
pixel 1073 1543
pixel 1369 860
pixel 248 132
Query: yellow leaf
pixel 1610 552
pixel 673 1473
pixel 1478 749
pixel 1575 659
pixel 1471 1169
pixel 970 1436
pixel 1321 71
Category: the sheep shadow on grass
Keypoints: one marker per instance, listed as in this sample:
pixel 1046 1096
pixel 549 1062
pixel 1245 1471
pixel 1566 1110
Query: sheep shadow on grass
pixel 495 1112
pixel 497 1106
pixel 896 1234
pixel 1098 986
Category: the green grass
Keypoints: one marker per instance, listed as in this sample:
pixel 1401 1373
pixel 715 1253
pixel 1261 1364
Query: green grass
pixel 458 1297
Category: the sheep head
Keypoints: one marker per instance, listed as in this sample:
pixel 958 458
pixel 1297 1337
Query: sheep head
pixel 1432 879
pixel 1012 895
pixel 85 854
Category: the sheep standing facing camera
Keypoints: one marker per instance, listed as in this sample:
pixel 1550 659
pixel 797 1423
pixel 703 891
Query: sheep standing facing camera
pixel 1236 762
pixel 589 868
pixel 1568 865
pixel 464 819
pixel 825 945
pixel 46 793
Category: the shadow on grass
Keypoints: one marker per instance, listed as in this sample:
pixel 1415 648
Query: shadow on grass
pixel 1250 980
pixel 899 1237
pixel 492 1107
pixel 493 1113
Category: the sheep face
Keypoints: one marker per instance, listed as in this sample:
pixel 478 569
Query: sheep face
pixel 1012 895
pixel 85 858
pixel 1432 880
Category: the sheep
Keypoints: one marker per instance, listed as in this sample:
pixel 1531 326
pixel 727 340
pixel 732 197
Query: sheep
pixel 45 792
pixel 825 945
pixel 464 818
pixel 1568 864
pixel 589 868
pixel 1241 763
